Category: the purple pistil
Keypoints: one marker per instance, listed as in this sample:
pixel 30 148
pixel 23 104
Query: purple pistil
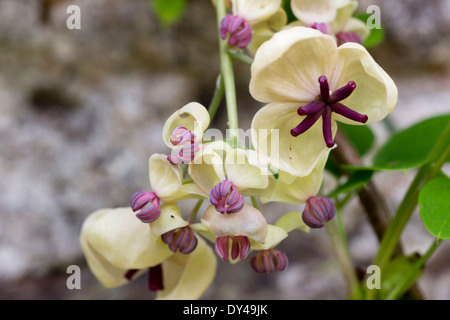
pixel 324 106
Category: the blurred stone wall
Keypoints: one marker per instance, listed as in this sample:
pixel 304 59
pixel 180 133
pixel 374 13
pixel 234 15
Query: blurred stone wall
pixel 82 110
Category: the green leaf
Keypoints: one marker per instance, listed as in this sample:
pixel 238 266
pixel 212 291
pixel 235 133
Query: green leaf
pixel 361 137
pixel 356 180
pixel 168 11
pixel 286 5
pixel 399 275
pixel 409 148
pixel 434 202
pixel 376 36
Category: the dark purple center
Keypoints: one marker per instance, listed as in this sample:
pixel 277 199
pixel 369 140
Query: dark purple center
pixel 324 106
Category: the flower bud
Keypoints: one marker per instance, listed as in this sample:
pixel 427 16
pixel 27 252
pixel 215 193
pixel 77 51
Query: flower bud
pixel 147 203
pixel 269 260
pixel 318 211
pixel 185 146
pixel 226 198
pixel 182 240
pixel 325 28
pixel 239 30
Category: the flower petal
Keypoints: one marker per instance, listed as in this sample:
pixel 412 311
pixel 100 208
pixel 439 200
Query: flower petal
pixel 246 169
pixel 345 9
pixel 274 236
pixel 271 138
pixel 169 219
pixel 299 189
pixel 255 11
pixel 376 93
pixel 287 67
pixel 310 11
pixel 192 116
pixel 292 221
pixel 247 222
pixel 207 169
pixel 165 180
pixel 114 240
pixel 356 25
pixel 187 276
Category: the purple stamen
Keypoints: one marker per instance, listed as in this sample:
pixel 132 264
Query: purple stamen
pixel 130 273
pixel 342 93
pixel 324 106
pixel 307 123
pixel 349 113
pixel 326 127
pixel 324 88
pixel 318 211
pixel 240 247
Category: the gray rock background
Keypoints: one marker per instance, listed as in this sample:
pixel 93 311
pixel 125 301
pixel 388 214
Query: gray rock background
pixel 82 110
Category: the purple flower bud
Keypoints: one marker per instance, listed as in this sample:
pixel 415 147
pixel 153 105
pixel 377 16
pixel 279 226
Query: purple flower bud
pixel 182 240
pixel 147 203
pixel 343 37
pixel 322 27
pixel 318 211
pixel 226 198
pixel 269 260
pixel 239 30
pixel 240 247
pixel 185 146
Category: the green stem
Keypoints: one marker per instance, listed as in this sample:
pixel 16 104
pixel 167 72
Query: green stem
pixel 436 158
pixel 217 98
pixel 226 69
pixel 195 211
pixel 403 286
pixel 254 202
pixel 345 260
pixel 241 56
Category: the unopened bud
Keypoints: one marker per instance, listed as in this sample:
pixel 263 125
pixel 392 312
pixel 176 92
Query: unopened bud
pixel 318 211
pixel 182 240
pixel 226 198
pixel 239 30
pixel 269 260
pixel 147 203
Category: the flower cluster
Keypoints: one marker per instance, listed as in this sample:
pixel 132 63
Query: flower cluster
pixel 309 74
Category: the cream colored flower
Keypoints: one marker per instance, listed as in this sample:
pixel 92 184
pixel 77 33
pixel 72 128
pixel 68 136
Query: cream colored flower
pixel 118 248
pixel 309 83
pixel 337 14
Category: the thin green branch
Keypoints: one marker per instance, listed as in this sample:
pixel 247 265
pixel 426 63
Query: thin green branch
pixel 343 255
pixel 226 68
pixel 217 98
pixel 238 55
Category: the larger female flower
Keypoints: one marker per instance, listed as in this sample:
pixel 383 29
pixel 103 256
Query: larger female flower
pixel 309 83
pixel 119 248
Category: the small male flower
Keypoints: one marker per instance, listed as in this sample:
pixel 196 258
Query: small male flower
pixel 185 146
pixel 246 14
pixel 333 17
pixel 269 260
pixel 318 211
pixel 226 198
pixel 183 132
pixel 310 83
pixel 166 185
pixel 234 232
